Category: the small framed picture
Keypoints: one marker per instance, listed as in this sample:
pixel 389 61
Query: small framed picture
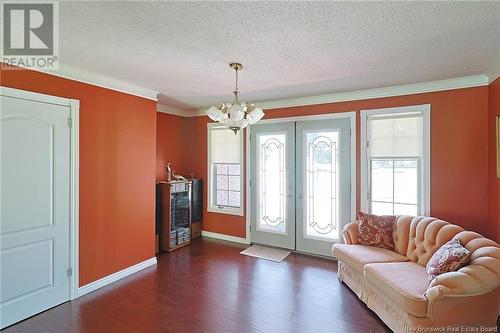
pixel 498 146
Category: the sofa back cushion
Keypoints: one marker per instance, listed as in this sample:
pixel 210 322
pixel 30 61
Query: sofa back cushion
pixel 427 235
pixel 401 234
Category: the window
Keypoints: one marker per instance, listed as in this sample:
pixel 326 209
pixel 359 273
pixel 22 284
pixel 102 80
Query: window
pixel 225 154
pixel 395 161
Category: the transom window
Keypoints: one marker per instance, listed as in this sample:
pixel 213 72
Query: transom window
pixel 395 160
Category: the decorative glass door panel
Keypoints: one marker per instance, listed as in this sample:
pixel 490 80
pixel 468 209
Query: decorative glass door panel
pixel 321 185
pixel 272 184
pixel 323 205
pixel 272 179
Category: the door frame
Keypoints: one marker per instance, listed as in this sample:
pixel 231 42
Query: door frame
pixel 74 106
pixel 351 115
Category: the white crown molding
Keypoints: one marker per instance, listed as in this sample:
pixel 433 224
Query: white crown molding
pixel 228 238
pixel 98 80
pixel 407 89
pixel 115 276
pixel 177 112
pixel 494 73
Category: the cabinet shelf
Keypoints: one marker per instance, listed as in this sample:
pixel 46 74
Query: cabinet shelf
pixel 175 214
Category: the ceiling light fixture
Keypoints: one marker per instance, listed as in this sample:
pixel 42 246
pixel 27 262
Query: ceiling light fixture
pixel 236 115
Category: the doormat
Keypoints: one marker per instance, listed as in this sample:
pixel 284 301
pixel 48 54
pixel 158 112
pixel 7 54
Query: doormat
pixel 267 253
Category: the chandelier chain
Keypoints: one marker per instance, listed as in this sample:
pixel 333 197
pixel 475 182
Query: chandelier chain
pixel 236 91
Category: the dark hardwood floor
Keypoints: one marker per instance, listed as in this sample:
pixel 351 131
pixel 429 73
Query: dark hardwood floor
pixel 209 287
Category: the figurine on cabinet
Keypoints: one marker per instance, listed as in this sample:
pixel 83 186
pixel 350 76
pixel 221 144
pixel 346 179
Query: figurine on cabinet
pixel 171 174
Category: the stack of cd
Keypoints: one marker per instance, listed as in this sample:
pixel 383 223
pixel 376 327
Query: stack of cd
pixel 183 234
pixel 173 238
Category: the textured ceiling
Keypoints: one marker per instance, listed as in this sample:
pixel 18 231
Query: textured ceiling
pixel 289 49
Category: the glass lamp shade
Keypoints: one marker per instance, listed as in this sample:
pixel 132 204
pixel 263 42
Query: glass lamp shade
pixel 216 114
pixel 235 125
pixel 236 112
pixel 244 123
pixel 255 115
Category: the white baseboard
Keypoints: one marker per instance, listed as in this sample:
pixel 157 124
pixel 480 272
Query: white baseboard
pixel 115 276
pixel 229 238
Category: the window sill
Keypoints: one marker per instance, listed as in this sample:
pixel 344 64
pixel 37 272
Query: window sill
pixel 228 211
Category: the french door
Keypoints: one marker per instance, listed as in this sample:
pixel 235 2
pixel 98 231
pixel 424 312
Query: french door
pixel 300 181
pixel 272 184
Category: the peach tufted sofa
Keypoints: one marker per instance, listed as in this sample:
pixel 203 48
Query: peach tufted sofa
pixel 395 286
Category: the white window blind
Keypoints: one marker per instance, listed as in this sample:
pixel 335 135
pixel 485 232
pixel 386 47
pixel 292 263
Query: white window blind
pixel 397 136
pixel 225 146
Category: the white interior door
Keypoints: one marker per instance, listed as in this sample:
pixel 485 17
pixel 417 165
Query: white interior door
pixel 35 207
pixel 272 183
pixel 323 183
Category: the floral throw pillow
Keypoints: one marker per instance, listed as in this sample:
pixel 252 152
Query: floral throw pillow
pixel 376 230
pixel 448 258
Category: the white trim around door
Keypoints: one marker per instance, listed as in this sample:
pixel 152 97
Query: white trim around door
pixel 351 115
pixel 74 123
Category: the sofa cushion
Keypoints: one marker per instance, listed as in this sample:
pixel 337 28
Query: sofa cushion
pixel 356 256
pixel 448 258
pixel 375 230
pixel 403 282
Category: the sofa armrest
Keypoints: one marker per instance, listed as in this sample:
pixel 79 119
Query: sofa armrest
pixel 350 233
pixel 481 276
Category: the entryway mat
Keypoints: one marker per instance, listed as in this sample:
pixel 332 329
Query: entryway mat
pixel 267 253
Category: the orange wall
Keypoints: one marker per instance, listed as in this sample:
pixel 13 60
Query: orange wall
pixel 459 154
pixel 117 171
pixel 214 222
pixel 494 182
pixel 171 144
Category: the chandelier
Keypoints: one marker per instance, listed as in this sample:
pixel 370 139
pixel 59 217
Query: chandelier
pixel 236 115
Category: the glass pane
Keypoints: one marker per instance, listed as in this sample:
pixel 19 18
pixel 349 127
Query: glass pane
pixel 222 199
pixel 234 183
pixel 382 208
pixel 405 182
pixel 234 199
pixel 221 169
pixel 321 204
pixel 222 182
pixel 233 169
pixel 381 180
pixel 271 183
pixel 406 209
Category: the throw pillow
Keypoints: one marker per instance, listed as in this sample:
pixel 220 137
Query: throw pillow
pixel 375 230
pixel 448 258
